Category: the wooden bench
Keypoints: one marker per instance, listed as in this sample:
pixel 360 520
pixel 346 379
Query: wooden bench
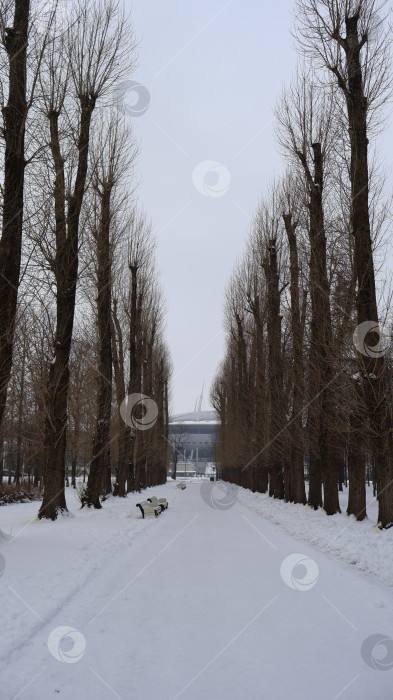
pixel 162 502
pixel 148 508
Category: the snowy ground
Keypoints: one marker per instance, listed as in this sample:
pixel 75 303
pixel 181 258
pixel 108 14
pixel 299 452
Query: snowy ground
pixel 205 601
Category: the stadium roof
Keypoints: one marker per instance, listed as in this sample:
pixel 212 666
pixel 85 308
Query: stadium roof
pixel 195 417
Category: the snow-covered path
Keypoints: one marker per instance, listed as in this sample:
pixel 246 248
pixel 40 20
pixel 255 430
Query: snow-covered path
pixel 190 605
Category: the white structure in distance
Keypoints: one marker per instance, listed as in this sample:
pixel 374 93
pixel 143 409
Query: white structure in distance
pixel 194 434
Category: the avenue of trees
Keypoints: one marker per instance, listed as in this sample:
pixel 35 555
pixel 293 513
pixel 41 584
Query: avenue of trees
pixel 81 314
pixel 304 393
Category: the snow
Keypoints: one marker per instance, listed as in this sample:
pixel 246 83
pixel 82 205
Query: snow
pixel 4 537
pixel 361 544
pixel 205 601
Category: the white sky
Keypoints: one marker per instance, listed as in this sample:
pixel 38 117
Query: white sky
pixel 214 69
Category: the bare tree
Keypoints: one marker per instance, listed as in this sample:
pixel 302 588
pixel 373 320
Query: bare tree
pixel 290 211
pixel 177 440
pixel 305 115
pixel 275 381
pixel 337 34
pixel 73 74
pixel 14 40
pixel 110 165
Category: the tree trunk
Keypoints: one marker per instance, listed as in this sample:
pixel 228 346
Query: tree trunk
pixel 297 492
pixel 134 385
pixel 323 459
pixel 73 470
pixel 66 273
pixel 101 458
pixel 275 381
pixel 356 465
pixel 20 413
pixel 372 369
pixel 124 431
pixel 1 461
pixel 165 436
pixel 14 114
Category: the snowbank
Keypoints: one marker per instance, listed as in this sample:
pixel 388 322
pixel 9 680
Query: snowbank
pixel 358 543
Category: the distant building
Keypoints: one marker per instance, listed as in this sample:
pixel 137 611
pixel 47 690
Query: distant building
pixel 195 435
pixel 185 469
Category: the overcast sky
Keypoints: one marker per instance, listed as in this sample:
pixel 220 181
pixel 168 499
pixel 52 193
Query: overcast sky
pixel 213 69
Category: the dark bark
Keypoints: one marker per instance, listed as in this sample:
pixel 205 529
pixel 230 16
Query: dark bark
pixel 124 443
pixel 275 375
pixel 323 459
pixel 14 115
pixel 1 460
pixel 297 491
pixel 73 470
pixel 242 404
pixel 20 414
pixel 260 398
pixel 356 459
pixel 66 274
pixel 101 457
pixel 160 428
pixel 140 440
pixel 328 454
pixel 134 385
pixel 372 369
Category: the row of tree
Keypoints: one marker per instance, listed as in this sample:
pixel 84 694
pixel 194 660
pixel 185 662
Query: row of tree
pixel 81 318
pixel 305 389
